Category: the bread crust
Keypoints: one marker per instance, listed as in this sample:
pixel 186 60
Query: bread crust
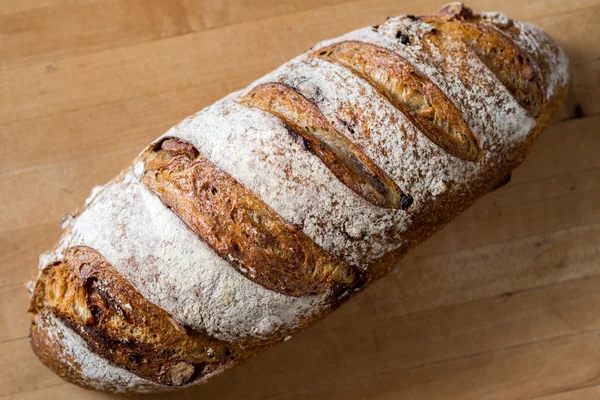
pixel 254 232
pixel 66 354
pixel 410 91
pixel 89 297
pixel 239 226
pixel 518 71
pixel 347 162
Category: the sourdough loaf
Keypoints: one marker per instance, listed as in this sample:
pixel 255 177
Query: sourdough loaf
pixel 262 213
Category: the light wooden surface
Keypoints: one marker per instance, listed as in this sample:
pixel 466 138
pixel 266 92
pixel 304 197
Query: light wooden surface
pixel 502 304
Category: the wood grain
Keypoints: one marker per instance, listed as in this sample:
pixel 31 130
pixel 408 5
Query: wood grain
pixel 165 65
pixel 44 31
pixel 502 304
pixel 53 31
pixel 575 393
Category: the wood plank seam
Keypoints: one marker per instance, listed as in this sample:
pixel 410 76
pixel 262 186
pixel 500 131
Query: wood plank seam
pixel 562 14
pixel 34 388
pixel 8 173
pixel 538 180
pixel 381 372
pixel 15 339
pixel 11 285
pixel 511 294
pixel 398 269
pixel 188 31
pixel 388 371
pixel 435 254
pixel 514 239
pixel 262 22
pixel 566 390
pixel 175 90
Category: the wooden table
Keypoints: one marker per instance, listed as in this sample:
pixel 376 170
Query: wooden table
pixel 502 304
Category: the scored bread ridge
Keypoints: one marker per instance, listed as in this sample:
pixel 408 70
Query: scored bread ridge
pixel 410 91
pixel 358 111
pixel 257 150
pixel 342 157
pixel 117 323
pixel 59 346
pixel 296 185
pixel 553 61
pixel 238 226
pixel 497 120
pixel 169 265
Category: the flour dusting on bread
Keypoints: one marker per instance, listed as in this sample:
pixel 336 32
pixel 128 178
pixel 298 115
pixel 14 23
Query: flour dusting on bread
pixel 150 246
pixel 153 249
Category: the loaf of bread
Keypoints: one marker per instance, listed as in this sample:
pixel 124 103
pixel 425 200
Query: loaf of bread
pixel 262 213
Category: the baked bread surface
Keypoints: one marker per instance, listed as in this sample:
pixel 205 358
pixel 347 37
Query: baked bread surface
pixel 262 213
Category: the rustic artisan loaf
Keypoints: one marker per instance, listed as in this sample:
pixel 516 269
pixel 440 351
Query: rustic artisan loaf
pixel 262 213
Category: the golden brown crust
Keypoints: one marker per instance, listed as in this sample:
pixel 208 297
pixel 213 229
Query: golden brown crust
pixel 517 70
pixel 120 325
pixel 448 206
pixel 410 91
pixel 339 154
pixel 61 355
pixel 239 226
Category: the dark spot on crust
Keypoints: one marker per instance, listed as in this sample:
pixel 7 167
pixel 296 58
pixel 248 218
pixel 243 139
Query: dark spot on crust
pixel 406 201
pixel 347 125
pixel 96 313
pixel 136 358
pixel 404 39
pixel 297 137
